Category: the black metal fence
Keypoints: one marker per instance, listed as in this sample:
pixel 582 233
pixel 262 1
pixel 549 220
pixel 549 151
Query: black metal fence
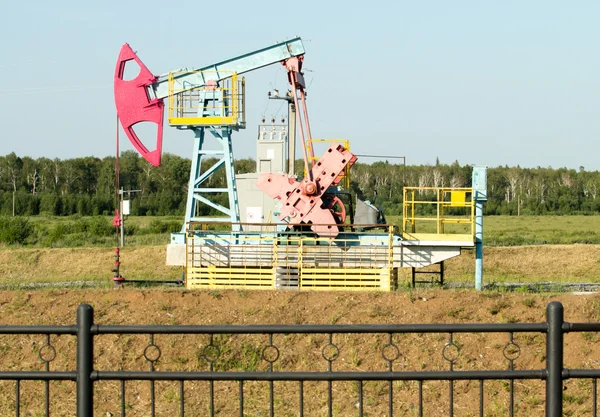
pixel 85 376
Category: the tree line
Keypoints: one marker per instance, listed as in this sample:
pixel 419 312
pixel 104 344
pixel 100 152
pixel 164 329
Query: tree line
pixel 86 186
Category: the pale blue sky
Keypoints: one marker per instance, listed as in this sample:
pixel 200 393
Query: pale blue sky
pixel 483 82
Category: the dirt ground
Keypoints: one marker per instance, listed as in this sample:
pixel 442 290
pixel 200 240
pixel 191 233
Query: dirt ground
pixel 297 352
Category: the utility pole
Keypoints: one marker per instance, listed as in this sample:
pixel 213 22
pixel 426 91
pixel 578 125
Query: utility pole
pixel 291 142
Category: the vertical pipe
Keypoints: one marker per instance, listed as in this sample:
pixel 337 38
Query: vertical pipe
pixel 300 129
pixel 291 138
pixel 121 193
pixel 311 152
pixel 117 172
pixel 117 183
pixel 85 361
pixel 554 359
pixel 478 245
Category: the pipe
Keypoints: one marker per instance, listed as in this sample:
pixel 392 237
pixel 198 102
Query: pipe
pixel 299 122
pixel 305 111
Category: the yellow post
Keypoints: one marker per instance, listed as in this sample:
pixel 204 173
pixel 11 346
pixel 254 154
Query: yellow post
pixel 234 103
pixel 243 100
pixel 441 205
pixel 275 262
pixel 300 262
pixel 171 96
pixel 187 261
pixel 390 257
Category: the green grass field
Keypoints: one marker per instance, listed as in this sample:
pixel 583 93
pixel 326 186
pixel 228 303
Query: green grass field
pixel 533 230
pixel 78 231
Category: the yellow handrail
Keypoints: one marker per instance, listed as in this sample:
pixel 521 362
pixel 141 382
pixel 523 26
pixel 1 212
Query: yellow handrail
pixel 446 198
pixel 207 104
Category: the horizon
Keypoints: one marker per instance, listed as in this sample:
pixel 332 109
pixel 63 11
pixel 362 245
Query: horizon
pixel 379 160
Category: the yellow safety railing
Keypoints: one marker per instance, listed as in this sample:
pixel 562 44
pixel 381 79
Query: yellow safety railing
pixel 346 264
pixel 449 206
pixel 206 104
pixel 344 177
pixel 256 261
pixel 247 261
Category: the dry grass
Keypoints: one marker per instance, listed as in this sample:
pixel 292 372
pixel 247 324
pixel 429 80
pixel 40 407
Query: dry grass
pixel 549 263
pixel 545 263
pixel 19 266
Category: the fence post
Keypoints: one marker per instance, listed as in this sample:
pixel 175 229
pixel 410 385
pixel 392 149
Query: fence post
pixel 85 361
pixel 554 359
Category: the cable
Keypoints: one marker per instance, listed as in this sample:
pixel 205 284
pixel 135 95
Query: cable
pixel 267 108
pixel 278 110
pixel 275 77
pixel 311 81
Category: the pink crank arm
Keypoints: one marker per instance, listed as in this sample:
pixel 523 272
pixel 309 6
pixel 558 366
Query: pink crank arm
pixel 134 106
pixel 301 202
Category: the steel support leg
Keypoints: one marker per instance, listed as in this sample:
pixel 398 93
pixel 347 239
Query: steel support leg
pixel 200 194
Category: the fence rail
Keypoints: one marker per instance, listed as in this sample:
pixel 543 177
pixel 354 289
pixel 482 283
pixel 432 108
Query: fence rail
pixel 85 375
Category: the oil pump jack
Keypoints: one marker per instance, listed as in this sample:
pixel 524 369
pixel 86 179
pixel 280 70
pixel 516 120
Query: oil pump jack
pixel 310 246
pixel 212 98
